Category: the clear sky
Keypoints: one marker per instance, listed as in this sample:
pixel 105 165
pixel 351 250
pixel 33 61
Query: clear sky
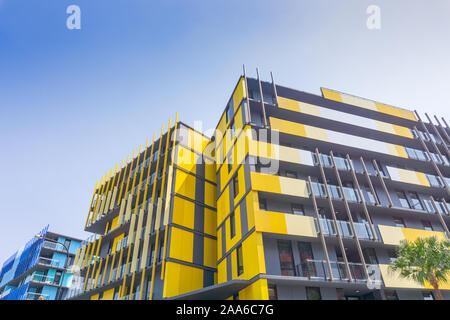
pixel 74 103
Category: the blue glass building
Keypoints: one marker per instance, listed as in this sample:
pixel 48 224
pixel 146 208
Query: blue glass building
pixel 37 271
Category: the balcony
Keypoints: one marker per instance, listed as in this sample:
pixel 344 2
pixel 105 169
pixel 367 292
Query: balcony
pixel 318 270
pixel 36 296
pixel 345 229
pixel 49 262
pixel 335 192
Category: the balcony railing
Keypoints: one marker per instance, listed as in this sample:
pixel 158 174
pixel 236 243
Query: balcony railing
pixel 335 192
pixel 362 229
pixel 37 296
pixel 48 262
pixel 318 270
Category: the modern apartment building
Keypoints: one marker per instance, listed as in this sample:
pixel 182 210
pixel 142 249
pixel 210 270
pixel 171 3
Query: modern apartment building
pixel 298 196
pixel 38 270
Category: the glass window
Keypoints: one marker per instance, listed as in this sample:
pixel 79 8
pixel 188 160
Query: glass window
pixel 313 293
pixel 427 225
pixel 230 110
pixel 232 225
pixel 291 174
pixel 273 292
pixel 286 258
pixel 298 209
pixel 340 294
pixel 403 200
pixel 262 204
pixel 240 260
pixel 399 222
pixel 415 202
pixel 235 186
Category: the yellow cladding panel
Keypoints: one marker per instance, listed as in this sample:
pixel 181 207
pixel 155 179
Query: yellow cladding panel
pixel 392 279
pixel 402 131
pixel 265 182
pixel 391 235
pixel 331 95
pixel 273 222
pixel 288 104
pixel 422 179
pixel 281 223
pixel 253 256
pixel 180 279
pixel 310 109
pixel 223 205
pixel 385 127
pixel 359 102
pixel 116 239
pixel 239 93
pixel 413 177
pixel 210 170
pixel 413 234
pixel 186 159
pixel 185 184
pixel 209 253
pixel 183 212
pixel 300 225
pixel 210 194
pixel 393 111
pixel 297 129
pixel 316 133
pixel 181 244
pixel 95 296
pixel 108 294
pixel 258 290
pixel 293 187
pixel 114 223
pixel 222 270
pixel 238 123
pixel 210 222
pixel 220 130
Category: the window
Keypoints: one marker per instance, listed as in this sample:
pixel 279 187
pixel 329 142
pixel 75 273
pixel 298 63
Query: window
pixel 392 254
pixel 313 293
pixel 415 202
pixel 306 254
pixel 67 243
pixel 232 130
pixel 256 116
pixel 298 209
pixel 273 292
pixel 230 164
pixel 240 260
pixel 232 225
pixel 427 225
pixel 291 174
pixel 399 222
pixel 235 186
pixel 286 258
pixel 403 200
pixel 340 294
pixel 230 110
pixel 391 295
pixel 427 295
pixel 262 204
pixel 370 256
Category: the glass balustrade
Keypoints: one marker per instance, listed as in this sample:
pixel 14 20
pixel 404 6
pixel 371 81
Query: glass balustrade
pixel 362 229
pixel 318 270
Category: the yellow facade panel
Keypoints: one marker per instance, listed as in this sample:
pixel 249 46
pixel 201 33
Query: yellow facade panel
pixel 181 244
pixel 391 235
pixel 258 290
pixel 265 182
pixel 331 95
pixel 209 252
pixel 413 234
pixel 185 184
pixel 183 212
pixel 181 279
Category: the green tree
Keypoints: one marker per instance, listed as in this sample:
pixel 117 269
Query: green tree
pixel 425 259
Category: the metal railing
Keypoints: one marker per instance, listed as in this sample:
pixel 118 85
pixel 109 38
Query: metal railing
pixel 48 261
pixel 328 227
pixel 318 270
pixel 36 296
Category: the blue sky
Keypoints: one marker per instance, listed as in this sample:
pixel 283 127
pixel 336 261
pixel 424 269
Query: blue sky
pixel 74 103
